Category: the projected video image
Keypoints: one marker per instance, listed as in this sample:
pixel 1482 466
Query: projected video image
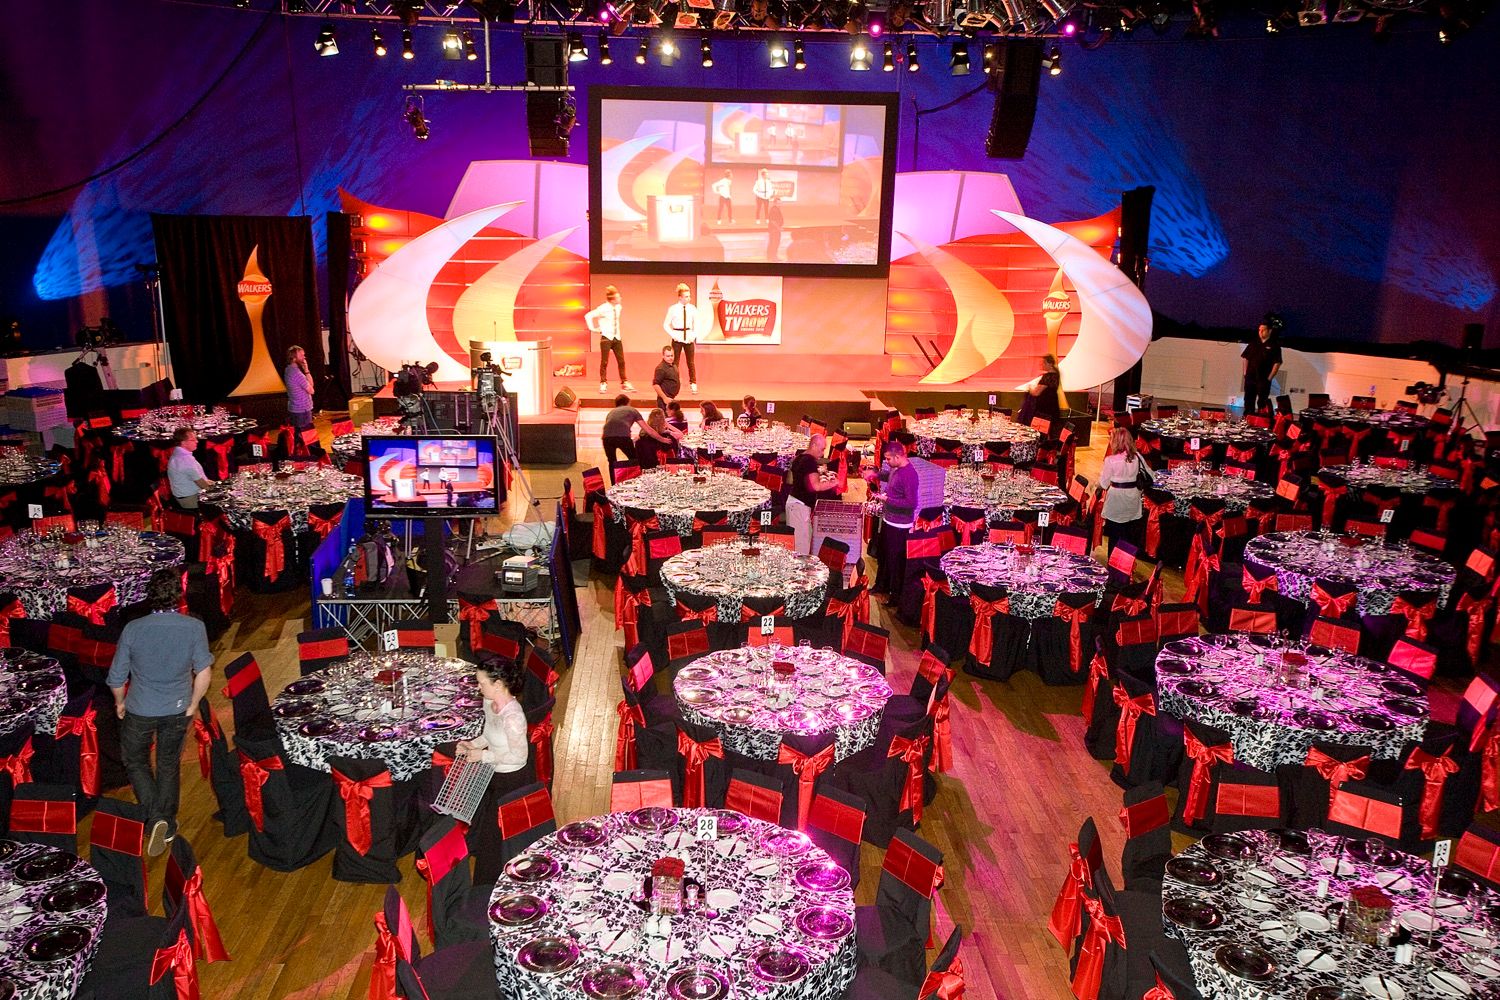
pixel 431 476
pixel 733 182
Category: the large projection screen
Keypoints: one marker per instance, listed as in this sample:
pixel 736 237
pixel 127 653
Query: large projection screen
pixel 740 182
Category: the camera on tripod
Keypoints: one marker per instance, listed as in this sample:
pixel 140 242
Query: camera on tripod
pixel 488 380
pixel 1426 392
pixel 99 336
pixel 411 378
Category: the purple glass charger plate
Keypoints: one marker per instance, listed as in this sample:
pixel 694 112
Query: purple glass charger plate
pixel 548 955
pixel 581 834
pixel 1403 706
pixel 1193 871
pixel 318 727
pixel 785 843
pixel 518 910
pixel 71 896
pixel 1197 689
pixel 653 818
pixel 614 981
pixel 305 686
pixel 1401 689
pixel 376 733
pixel 31 663
pixel 1245 961
pixel 737 714
pixel 825 923
pixel 697 984
pixel 8 988
pixel 1228 846
pixel 1314 719
pixel 1175 666
pixel 822 877
pixel 1372 721
pixel 779 963
pixel 34 682
pixel 45 866
pixel 442 721
pixel 56 943
pixel 533 868
pixel 296 709
pixel 731 821
pixel 1193 913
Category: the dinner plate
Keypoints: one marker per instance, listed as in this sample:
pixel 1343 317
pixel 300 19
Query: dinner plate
pixel 1315 960
pixel 548 955
pixel 1198 689
pixel 1193 871
pixel 581 834
pixel 1416 920
pixel 1289 865
pixel 518 910
pixel 1403 706
pixel 825 923
pixel 1193 913
pixel 533 868
pixel 779 964
pixel 296 709
pixel 1257 903
pixel 694 983
pixel 45 866
pixel 731 821
pixel 317 727
pixel 1401 689
pixel 1448 984
pixel 1482 965
pixel 1228 846
pixel 66 897
pixel 57 943
pixel 305 686
pixel 653 818
pixel 822 877
pixel 33 683
pixel 375 734
pixel 1314 719
pixel 1245 961
pixel 1172 665
pixel 1455 884
pixel 764 924
pixel 1383 988
pixel 785 843
pixel 1310 921
pixel 442 721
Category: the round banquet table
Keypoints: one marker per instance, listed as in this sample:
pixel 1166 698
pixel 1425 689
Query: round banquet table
pixel 339 711
pixel 973 429
pixel 735 445
pixel 1246 904
pixel 18 468
pixel 51 914
pixel 1000 495
pixel 1194 481
pixel 1033 578
pixel 1380 571
pixel 33 691
pixel 1398 421
pixel 732 570
pixel 249 492
pixel 1223 432
pixel 348 447
pixel 676 496
pixel 737 693
pixel 1276 698
pixel 41 568
pixel 161 424
pixel 775 920
pixel 1417 481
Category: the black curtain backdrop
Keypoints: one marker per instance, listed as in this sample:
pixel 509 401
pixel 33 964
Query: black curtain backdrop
pixel 334 391
pixel 202 260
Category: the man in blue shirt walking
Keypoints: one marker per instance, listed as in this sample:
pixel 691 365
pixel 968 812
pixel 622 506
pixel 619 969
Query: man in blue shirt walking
pixel 165 658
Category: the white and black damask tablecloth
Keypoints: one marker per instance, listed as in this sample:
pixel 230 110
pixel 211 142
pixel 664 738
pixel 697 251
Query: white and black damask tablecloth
pixel 1033 575
pixel 249 492
pixel 676 496
pixel 39 569
pixel 1247 908
pixel 739 693
pixel 395 707
pixel 731 571
pixel 161 424
pixel 1278 697
pixel 1416 481
pixel 999 494
pixel 1398 421
pixel 773 920
pixel 33 691
pixel 51 913
pixel 732 444
pixel 973 429
pixel 1379 570
pixel 348 447
pixel 1195 481
pixel 18 468
pixel 1223 432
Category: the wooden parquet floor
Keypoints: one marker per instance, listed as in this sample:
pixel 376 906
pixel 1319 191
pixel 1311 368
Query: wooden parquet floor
pixel 1021 785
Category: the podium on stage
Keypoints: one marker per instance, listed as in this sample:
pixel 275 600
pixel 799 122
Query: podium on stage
pixel 672 218
pixel 527 365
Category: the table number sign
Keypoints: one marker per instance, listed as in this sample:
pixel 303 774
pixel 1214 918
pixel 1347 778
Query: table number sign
pixel 34 511
pixel 767 624
pixel 765 517
pixel 1043 518
pixel 1386 515
pixel 708 827
pixel 389 640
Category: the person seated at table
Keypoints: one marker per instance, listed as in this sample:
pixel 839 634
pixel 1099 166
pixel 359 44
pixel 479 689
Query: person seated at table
pixel 676 419
pixel 665 381
pixel 617 426
pixel 184 472
pixel 503 746
pixel 750 414
pixel 658 440
pixel 709 415
pixel 808 487
pixel 1122 493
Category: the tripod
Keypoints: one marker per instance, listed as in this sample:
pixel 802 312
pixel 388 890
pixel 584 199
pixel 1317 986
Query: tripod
pixel 496 419
pixel 1462 404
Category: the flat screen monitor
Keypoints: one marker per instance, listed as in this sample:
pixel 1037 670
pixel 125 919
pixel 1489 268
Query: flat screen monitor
pixel 431 475
pixel 737 182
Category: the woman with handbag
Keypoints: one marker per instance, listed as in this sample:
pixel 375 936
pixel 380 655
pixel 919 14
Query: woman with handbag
pixel 1120 477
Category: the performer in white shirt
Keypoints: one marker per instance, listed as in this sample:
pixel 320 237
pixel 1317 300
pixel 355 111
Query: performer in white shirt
pixel 724 188
pixel 763 190
pixel 605 321
pixel 681 326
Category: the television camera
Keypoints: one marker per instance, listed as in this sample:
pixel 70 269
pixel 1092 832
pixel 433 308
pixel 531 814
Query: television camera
pixel 1426 392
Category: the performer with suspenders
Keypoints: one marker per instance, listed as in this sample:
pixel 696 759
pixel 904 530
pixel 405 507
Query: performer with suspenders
pixel 681 326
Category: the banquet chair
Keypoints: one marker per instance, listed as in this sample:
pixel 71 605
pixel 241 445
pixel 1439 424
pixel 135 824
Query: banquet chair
pixel 1147 820
pixel 1176 621
pixel 320 648
pixel 1116 958
pixel 640 677
pixel 1361 808
pixel 1308 788
pixel 836 824
pixel 636 789
pixel 1334 634
pixel 464 971
pixel 944 980
pixel 287 804
pixel 1147 746
pixel 892 934
pixel 779 534
pixel 1429 541
pixel 1071 539
pixel 539 729
pixel 1478 853
pixel 1378 634
pixel 889 777
pixel 998 643
pixel 417 633
pixel 641 741
pixel 375 822
pixel 1294 522
pixel 117 852
pixel 96 602
pixel 322 520
pixel 43 814
pixel 246 691
pixel 1207 760
pixel 1121 564
pixel 714 534
pixel 220 767
pixel 942 618
pixel 69 755
pixel 1100 713
pixel 268 553
pixel 1010 532
pixel 932 671
pixel 924 550
pixel 843 608
pixel 456 907
pixel 783 632
pixel 690 636
pixel 756 795
pixel 143 958
pixel 834 554
pixel 1131 642
pixel 541 666
pixel 867 643
pixel 499 637
pixel 525 816
pixel 1061 643
pixel 660 546
pixel 182 888
pixel 752 609
pixel 801 761
pixel 1086 855
pixel 702 775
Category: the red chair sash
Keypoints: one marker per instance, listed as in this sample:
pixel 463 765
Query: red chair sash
pixel 540 736
pixel 1477 855
pixel 945 985
pixel 1335 771
pixel 967 530
pixel 436 862
pixel 1204 758
pixel 1075 617
pixel 525 813
pixel 1200 564
pixel 207 944
pixel 942 736
pixel 1098 670
pixel 630 717
pixel 243 680
pixel 1066 921
pixel 253 774
pixel 18 764
pixel 323 649
pixel 868 644
pixel 1329 633
pixel 1331 496
pixel 1137 632
pixel 1365 813
pixel 1159 992
pixel 1250 620
pixel 845 611
pixel 271 535
pixel 178 959
pixel 1131 710
pixel 43 816
pixel 930 589
pixel 117 833
pixel 754 801
pixel 1176 623
pixel 1417 615
pixel 9 613
pixel 1255 587
pixel 843 821
pixel 1473 608
pixel 1143 817
pixel 912 870
pixel 1435 771
pixel 205 739
pixel 1330 606
pixel 982 643
pixel 912 753
pixel 1234 799
pixel 323 526
pixel 1154 511
pixel 1103 928
pixel 639 527
pixel 749 614
pixel 694 754
pixel 84 728
pixel 603 511
pixel 707 616
pixel 1415 661
pixel 930 547
pixel 807 768
pixel 95 610
pixel 357 795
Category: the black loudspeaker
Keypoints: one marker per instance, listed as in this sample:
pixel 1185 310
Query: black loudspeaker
pixel 1015 80
pixel 565 398
pixel 546 65
pixel 548 121
pixel 1473 337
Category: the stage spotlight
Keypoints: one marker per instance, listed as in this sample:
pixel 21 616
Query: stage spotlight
pixel 407 52
pixel 1052 63
pixel 453 46
pixel 958 62
pixel 327 43
pixel 799 55
pixel 877 26
pixel 577 51
pixel 1069 27
pixel 859 54
pixel 991 57
pixel 470 53
pixel 604 56
pixel 640 53
pixel 379 42
pixel 779 56
pixel 415 118
pixel 706 49
pixel 912 65
pixel 888 59
pixel 666 49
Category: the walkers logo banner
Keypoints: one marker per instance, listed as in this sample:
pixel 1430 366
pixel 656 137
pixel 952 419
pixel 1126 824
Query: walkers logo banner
pixel 745 309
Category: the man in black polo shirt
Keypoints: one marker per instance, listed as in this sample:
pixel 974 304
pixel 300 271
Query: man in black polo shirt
pixel 666 382
pixel 1262 361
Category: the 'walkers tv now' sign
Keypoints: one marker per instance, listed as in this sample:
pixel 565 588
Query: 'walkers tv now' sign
pixel 743 309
